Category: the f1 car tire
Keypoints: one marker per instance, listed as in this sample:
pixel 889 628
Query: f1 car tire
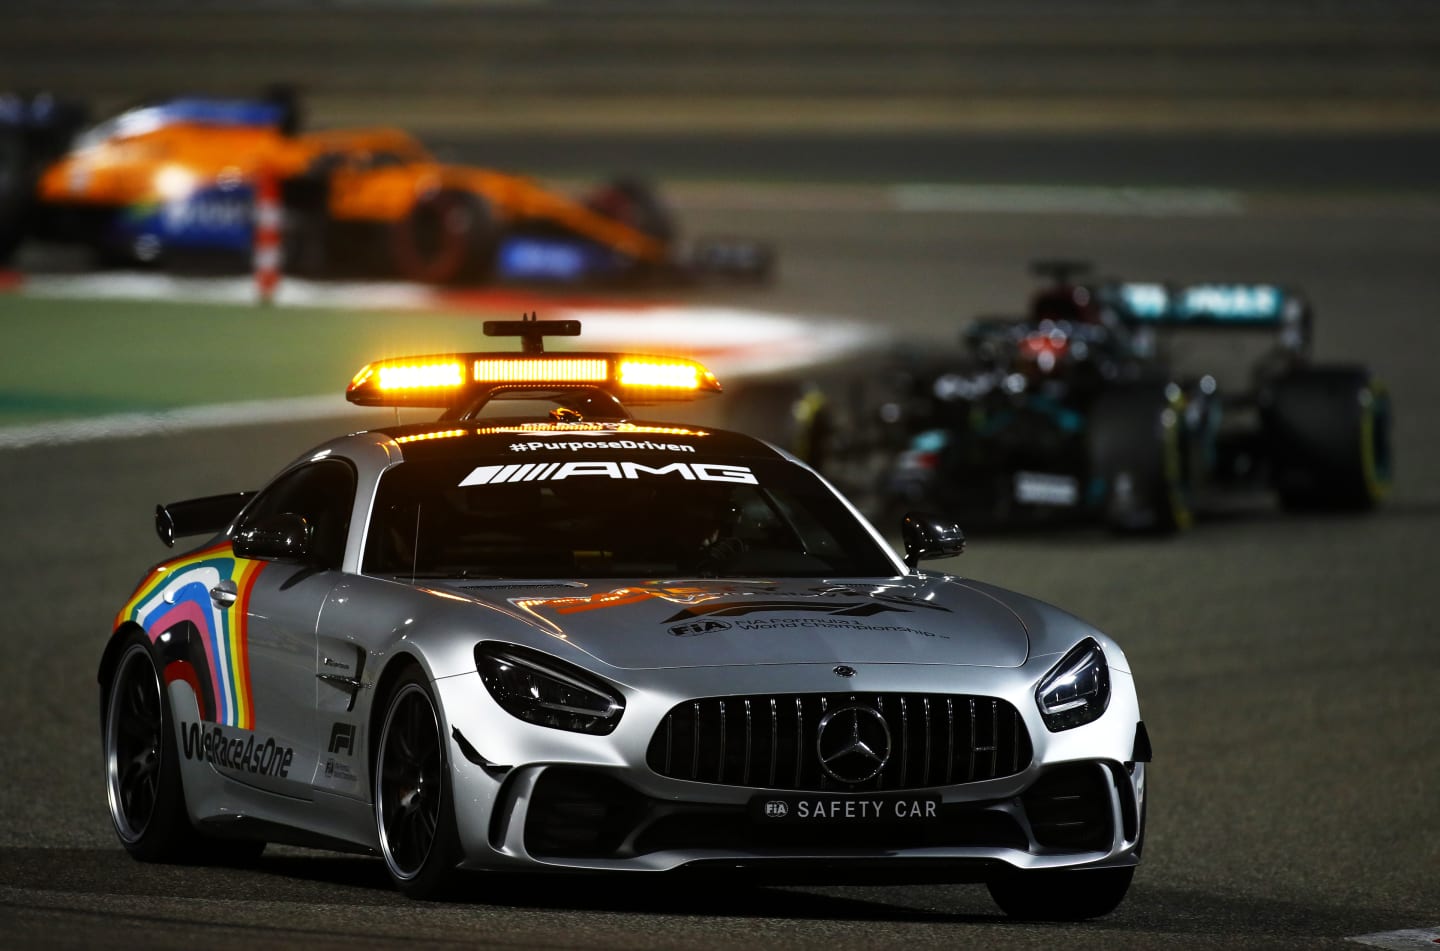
pixel 1061 894
pixel 1139 449
pixel 1329 429
pixel 142 768
pixel 34 129
pixel 794 416
pixel 307 237
pixel 635 203
pixel 448 237
pixel 306 244
pixel 14 193
pixel 414 800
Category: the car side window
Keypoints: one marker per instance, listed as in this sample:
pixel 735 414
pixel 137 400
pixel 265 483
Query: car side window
pixel 323 493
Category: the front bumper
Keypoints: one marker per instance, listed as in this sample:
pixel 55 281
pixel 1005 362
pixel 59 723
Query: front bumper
pixel 1076 814
pixel 593 804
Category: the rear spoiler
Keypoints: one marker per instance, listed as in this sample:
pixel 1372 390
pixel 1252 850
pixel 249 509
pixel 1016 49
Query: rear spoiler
pixel 204 516
pixel 1219 306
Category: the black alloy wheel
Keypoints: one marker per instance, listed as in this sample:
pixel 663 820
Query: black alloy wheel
pixel 142 772
pixel 134 744
pixel 413 811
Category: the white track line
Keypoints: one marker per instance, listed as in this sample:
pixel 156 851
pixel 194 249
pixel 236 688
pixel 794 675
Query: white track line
pixel 1069 199
pixel 125 425
pixel 228 290
pixel 1406 940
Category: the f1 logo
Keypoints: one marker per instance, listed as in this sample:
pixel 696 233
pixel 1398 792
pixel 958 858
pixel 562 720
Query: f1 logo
pixel 342 738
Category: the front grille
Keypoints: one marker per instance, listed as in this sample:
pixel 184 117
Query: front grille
pixel 770 741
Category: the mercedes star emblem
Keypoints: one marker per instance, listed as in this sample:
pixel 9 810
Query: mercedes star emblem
pixel 853 744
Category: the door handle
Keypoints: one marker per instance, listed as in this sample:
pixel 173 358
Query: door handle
pixel 223 594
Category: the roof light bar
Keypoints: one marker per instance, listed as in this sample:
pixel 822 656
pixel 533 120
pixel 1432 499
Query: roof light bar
pixel 661 374
pixel 420 376
pixel 541 370
pixel 442 381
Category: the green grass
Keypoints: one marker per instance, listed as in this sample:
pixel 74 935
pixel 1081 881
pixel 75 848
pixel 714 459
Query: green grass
pixel 62 358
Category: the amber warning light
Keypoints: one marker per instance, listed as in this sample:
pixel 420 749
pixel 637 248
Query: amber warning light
pixel 442 381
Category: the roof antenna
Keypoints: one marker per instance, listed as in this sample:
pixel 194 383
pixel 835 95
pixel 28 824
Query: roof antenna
pixel 531 342
pixel 531 330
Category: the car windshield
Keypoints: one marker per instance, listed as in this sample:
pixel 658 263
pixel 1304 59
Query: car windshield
pixel 643 517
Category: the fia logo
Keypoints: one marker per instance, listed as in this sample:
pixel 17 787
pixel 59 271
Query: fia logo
pixel 775 809
pixel 342 739
pixel 696 628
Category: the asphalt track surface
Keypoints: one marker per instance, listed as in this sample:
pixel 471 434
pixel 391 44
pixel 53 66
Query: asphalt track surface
pixel 1287 665
pixel 1391 161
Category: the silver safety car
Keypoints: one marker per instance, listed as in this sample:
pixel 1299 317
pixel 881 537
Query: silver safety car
pixel 540 634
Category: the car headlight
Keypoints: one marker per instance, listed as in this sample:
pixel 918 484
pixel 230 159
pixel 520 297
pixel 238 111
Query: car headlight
pixel 545 691
pixel 1076 690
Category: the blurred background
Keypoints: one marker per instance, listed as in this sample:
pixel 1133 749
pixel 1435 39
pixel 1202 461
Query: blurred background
pixel 906 161
pixel 705 89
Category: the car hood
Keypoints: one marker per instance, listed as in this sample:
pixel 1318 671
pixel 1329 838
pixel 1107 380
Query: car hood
pixel 707 623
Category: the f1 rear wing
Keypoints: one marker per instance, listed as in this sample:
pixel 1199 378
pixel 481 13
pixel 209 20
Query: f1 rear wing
pixel 1266 307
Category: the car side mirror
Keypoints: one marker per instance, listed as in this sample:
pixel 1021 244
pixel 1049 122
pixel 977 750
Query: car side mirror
pixel 281 537
pixel 929 536
pixel 204 516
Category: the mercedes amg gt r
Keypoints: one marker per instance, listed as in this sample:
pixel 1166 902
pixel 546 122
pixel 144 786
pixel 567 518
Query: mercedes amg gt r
pixel 539 634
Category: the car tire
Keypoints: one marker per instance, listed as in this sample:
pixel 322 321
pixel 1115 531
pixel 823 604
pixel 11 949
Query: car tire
pixel 635 203
pixel 15 193
pixel 306 249
pixel 794 416
pixel 1139 451
pixel 414 800
pixel 306 199
pixel 448 237
pixel 1060 894
pixel 26 146
pixel 142 768
pixel 1329 433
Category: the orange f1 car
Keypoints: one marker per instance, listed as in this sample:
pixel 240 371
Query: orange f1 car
pixel 176 180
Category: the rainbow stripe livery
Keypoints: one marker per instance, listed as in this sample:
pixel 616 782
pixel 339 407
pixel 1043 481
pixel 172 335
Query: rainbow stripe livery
pixel 201 643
